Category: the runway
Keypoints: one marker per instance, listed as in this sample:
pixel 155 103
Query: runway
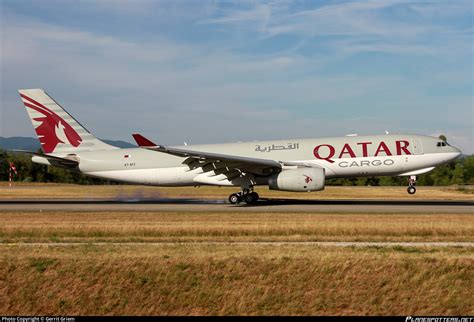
pixel 264 205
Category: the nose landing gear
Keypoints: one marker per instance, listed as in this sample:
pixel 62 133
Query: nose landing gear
pixel 246 195
pixel 411 185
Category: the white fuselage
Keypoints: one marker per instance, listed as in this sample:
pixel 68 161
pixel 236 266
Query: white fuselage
pixel 359 156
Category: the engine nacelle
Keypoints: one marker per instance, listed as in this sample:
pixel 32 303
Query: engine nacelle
pixel 301 179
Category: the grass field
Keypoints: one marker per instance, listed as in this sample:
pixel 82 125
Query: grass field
pixel 231 227
pixel 223 280
pixel 117 263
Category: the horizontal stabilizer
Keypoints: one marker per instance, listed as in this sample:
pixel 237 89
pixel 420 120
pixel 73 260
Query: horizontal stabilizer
pixel 70 163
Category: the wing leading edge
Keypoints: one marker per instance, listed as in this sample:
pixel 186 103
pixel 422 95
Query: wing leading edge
pixel 223 166
pixel 230 165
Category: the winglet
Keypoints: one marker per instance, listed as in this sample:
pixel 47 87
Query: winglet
pixel 143 141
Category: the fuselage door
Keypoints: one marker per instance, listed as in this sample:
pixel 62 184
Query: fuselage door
pixel 417 147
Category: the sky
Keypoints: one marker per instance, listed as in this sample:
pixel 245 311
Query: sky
pixel 206 71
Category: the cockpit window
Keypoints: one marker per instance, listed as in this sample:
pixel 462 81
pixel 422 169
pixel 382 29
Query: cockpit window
pixel 441 144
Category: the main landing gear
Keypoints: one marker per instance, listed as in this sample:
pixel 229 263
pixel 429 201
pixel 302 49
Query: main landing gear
pixel 246 195
pixel 411 185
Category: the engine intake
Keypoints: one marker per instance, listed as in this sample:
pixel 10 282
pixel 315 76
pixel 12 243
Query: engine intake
pixel 301 179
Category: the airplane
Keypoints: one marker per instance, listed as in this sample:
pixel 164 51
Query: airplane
pixel 299 165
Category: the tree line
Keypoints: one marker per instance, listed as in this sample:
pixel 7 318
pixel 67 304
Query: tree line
pixel 458 172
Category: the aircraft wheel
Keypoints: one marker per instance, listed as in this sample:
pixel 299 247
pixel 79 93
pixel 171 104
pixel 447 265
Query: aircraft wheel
pixel 234 199
pixel 411 190
pixel 255 196
pixel 250 198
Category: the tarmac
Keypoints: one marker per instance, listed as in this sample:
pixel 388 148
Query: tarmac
pixel 263 205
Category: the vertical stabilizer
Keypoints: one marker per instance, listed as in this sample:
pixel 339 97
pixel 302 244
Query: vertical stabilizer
pixel 57 130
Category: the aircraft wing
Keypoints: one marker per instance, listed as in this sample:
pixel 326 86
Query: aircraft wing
pixel 229 165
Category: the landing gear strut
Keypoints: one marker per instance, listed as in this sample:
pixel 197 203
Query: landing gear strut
pixel 411 185
pixel 247 195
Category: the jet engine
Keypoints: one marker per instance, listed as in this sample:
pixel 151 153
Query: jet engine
pixel 301 179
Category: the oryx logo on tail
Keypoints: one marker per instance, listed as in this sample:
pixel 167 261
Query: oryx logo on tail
pixel 53 128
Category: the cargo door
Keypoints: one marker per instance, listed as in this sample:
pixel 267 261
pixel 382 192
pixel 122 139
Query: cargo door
pixel 417 147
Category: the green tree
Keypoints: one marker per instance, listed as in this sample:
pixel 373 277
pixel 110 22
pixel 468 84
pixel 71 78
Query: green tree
pixel 468 169
pixel 3 166
pixel 458 174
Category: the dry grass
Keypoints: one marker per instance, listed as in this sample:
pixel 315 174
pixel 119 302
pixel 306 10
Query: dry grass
pixel 117 192
pixel 228 280
pixel 228 226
